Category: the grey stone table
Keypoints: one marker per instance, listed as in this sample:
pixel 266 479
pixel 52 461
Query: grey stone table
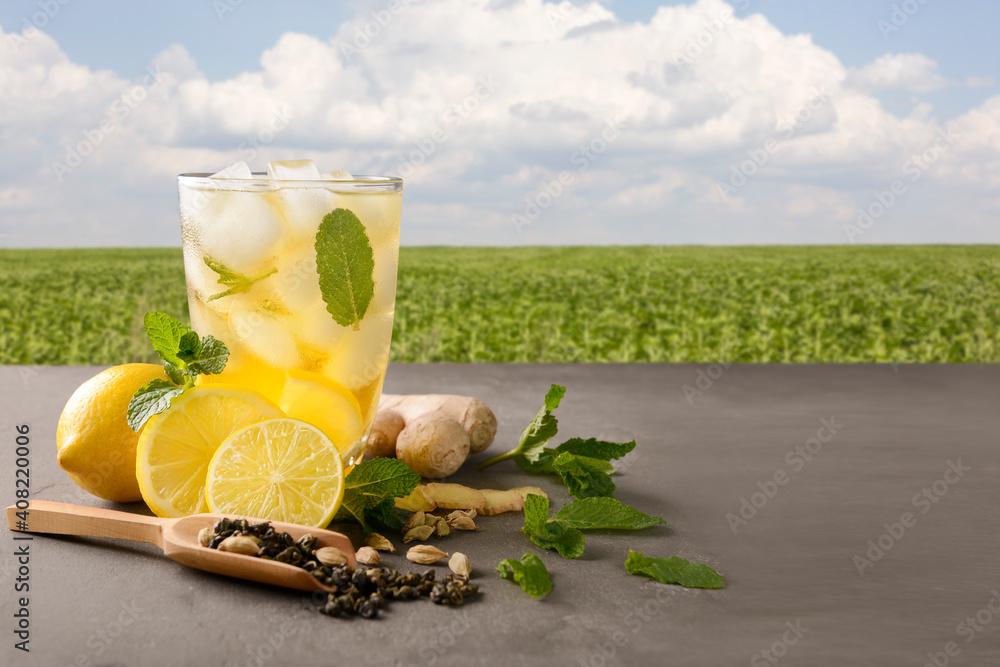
pixel 852 510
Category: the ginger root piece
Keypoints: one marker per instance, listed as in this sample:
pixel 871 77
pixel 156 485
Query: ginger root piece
pixel 428 497
pixel 433 445
pixel 417 501
pixel 455 496
pixel 385 430
pixel 498 502
pixel 396 411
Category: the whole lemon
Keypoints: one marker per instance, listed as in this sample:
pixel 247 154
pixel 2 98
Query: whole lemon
pixel 96 445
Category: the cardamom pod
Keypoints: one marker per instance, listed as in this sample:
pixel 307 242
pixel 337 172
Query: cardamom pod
pixel 469 514
pixel 205 536
pixel 418 533
pixel 330 556
pixel 463 523
pixel 418 518
pixel 240 544
pixel 460 564
pixel 379 543
pixel 441 527
pixel 425 554
pixel 368 556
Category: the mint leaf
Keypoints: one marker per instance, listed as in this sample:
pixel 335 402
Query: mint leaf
pixel 536 513
pixel 345 263
pixel 583 476
pixel 370 490
pixel 550 534
pixel 673 570
pixel 561 537
pixel 188 347
pixel 529 573
pixel 150 399
pixel 237 282
pixel 537 434
pixel 165 334
pixel 185 357
pixel 175 374
pixel 604 514
pixel 212 357
pixel 596 449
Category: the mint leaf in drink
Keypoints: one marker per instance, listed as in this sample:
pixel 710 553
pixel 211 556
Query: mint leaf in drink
pixel 185 357
pixel 548 533
pixel 150 399
pixel 370 490
pixel 604 514
pixel 596 449
pixel 236 282
pixel 537 434
pixel 345 263
pixel 583 476
pixel 529 573
pixel 165 334
pixel 673 570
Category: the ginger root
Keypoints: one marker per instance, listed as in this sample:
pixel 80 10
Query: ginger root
pixel 432 433
pixel 429 497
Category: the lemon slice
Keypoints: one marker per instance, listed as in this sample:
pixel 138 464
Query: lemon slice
pixel 325 404
pixel 177 445
pixel 280 470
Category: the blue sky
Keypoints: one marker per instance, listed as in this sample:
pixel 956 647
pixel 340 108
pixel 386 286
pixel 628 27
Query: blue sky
pixel 670 165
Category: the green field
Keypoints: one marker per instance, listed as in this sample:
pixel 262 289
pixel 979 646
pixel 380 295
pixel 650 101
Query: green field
pixel 618 304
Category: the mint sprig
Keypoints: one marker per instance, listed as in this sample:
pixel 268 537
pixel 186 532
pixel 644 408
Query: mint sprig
pixel 537 434
pixel 237 282
pixel 185 357
pixel 370 492
pixel 583 465
pixel 345 263
pixel 529 573
pixel 562 532
pixel 673 570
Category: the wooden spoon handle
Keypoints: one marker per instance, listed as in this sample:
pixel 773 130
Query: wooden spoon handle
pixel 65 519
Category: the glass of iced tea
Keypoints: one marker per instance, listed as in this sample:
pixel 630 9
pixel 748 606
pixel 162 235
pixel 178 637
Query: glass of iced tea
pixel 296 272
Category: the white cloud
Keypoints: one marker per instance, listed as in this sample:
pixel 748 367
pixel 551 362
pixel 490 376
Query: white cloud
pixel 481 104
pixel 898 71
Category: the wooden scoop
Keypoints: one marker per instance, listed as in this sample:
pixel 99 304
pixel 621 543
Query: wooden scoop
pixel 179 539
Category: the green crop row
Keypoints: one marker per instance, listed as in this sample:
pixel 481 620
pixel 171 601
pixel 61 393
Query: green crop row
pixel 614 304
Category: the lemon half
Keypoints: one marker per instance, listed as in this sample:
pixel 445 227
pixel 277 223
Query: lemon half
pixel 177 445
pixel 280 470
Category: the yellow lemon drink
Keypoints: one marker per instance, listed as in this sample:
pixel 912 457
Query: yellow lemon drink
pixel 296 272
